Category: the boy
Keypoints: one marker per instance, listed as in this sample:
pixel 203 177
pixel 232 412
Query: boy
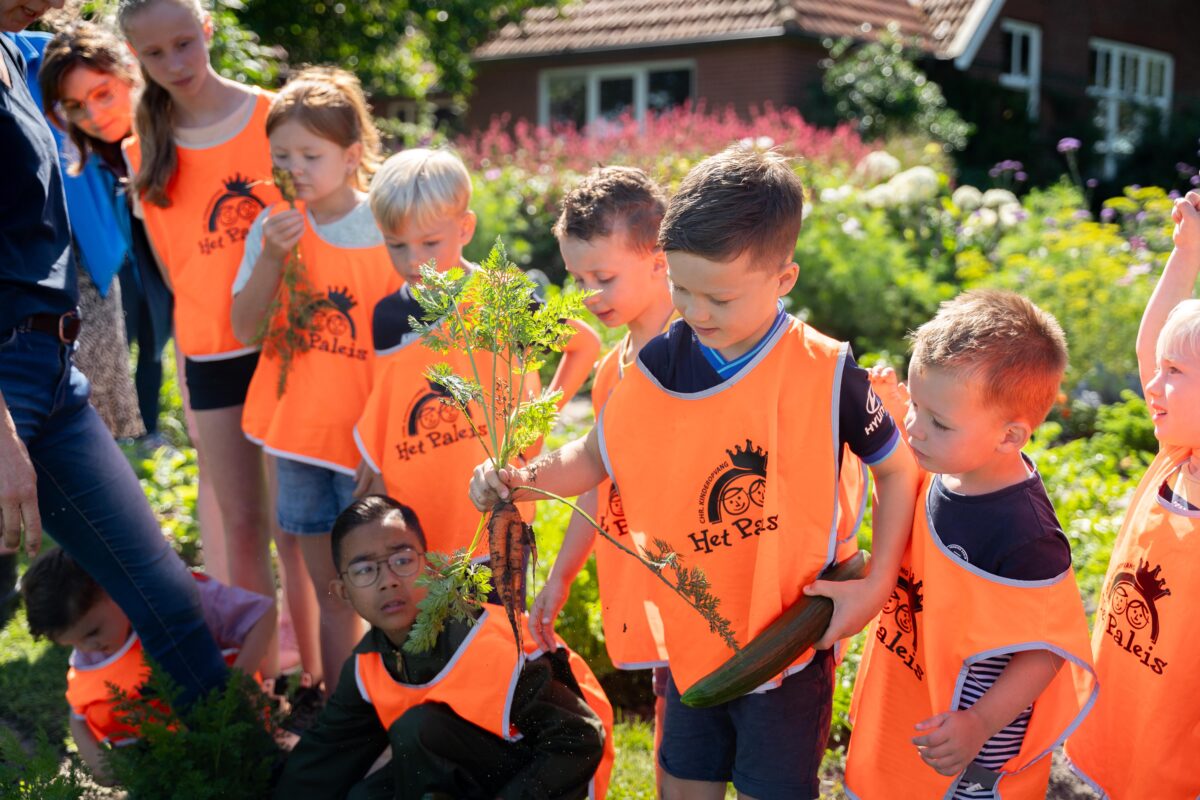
pixel 986 608
pixel 65 604
pixel 1144 734
pixel 735 382
pixel 409 439
pixel 466 720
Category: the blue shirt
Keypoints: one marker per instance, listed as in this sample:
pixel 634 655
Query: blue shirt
pixel 37 268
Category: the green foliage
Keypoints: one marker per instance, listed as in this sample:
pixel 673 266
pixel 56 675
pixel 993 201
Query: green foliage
pixel 236 51
pixel 220 748
pixel 879 87
pixel 41 775
pixel 455 589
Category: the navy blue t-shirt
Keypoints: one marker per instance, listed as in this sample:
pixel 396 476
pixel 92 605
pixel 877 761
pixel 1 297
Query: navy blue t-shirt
pixel 678 362
pixel 1012 533
pixel 37 267
pixel 390 322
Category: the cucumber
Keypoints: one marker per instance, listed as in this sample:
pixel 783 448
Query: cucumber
pixel 769 653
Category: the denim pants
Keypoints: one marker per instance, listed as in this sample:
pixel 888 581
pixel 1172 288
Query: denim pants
pixel 92 504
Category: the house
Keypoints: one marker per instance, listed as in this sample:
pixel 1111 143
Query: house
pixel 596 59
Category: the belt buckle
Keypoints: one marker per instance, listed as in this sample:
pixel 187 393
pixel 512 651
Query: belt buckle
pixel 68 327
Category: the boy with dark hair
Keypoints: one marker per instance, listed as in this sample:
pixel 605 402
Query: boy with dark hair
pixel 65 604
pixel 469 719
pixel 733 386
pixel 961 691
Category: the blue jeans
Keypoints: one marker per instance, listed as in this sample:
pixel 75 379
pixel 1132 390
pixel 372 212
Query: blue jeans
pixel 92 504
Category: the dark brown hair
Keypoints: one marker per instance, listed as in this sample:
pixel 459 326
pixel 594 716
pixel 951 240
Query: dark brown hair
pixel 58 592
pixel 81 44
pixel 742 200
pixel 364 511
pixel 611 196
pixel 330 103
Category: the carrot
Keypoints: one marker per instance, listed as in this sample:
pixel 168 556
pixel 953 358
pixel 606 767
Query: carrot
pixel 508 535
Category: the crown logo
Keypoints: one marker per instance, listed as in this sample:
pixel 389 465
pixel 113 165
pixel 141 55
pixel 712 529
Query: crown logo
pixel 751 459
pixel 1148 583
pixel 341 299
pixel 239 184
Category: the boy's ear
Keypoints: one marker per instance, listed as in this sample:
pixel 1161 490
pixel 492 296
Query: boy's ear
pixel 337 588
pixel 1016 435
pixel 466 226
pixel 659 270
pixel 788 278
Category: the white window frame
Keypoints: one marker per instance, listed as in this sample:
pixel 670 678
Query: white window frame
pixel 639 72
pixel 1031 82
pixel 1105 87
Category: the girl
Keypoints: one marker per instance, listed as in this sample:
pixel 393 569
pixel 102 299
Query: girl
pixel 321 133
pixel 200 172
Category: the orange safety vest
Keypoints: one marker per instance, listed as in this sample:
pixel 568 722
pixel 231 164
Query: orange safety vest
pixel 1143 737
pixel 313 422
pixel 943 616
pixel 633 626
pixel 473 685
pixel 425 449
pixel 692 471
pixel 215 195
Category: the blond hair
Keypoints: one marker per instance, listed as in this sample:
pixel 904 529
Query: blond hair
pixel 330 102
pixel 1016 351
pixel 1180 336
pixel 419 187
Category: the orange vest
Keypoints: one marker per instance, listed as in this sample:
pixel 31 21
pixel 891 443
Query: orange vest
pixel 425 449
pixel 633 626
pixel 944 615
pixel 474 685
pixel 328 384
pixel 1143 737
pixel 215 195
pixel 692 471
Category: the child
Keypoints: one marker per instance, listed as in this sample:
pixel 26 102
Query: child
pixel 1144 734
pixel 467 719
pixel 735 382
pixel 200 169
pixel 321 131
pixel 65 604
pixel 412 444
pixel 966 658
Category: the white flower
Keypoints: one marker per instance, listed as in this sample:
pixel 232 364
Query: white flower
pixel 836 195
pixel 880 196
pixel 877 166
pixel 994 198
pixel 915 185
pixel 1010 214
pixel 967 198
pixel 852 227
pixel 764 142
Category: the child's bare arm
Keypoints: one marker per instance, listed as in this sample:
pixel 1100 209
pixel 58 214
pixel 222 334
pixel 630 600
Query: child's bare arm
pixel 569 471
pixel 91 751
pixel 281 232
pixel 576 547
pixel 1176 284
pixel 956 737
pixel 257 642
pixel 578 357
pixel 855 603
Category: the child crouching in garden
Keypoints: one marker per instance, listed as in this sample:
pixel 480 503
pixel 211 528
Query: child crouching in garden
pixel 469 719
pixel 962 690
pixel 1143 736
pixel 66 604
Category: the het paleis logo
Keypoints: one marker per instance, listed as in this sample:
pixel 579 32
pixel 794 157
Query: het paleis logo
pixel 432 422
pixel 612 515
pixel 1129 610
pixel 229 214
pixel 731 501
pixel 333 330
pixel 897 629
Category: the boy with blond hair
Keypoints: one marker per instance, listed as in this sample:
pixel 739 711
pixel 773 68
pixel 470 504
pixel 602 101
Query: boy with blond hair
pixel 412 444
pixel 1143 737
pixel 687 436
pixel 961 691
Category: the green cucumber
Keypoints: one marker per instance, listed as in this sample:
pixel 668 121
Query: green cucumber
pixel 769 653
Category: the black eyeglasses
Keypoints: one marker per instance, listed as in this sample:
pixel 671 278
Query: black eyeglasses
pixel 403 564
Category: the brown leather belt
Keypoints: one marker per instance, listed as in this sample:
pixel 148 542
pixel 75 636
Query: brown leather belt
pixel 64 327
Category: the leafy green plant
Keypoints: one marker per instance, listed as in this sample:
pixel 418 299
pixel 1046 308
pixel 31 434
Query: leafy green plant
pixel 40 775
pixel 219 748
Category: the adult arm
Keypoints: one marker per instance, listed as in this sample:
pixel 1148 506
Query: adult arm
pixel 18 490
pixel 1176 284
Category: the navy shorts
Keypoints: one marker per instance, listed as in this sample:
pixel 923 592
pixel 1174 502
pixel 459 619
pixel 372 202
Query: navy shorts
pixel 310 497
pixel 770 744
pixel 219 384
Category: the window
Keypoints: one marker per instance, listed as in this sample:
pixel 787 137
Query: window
pixel 1130 85
pixel 593 95
pixel 1022 45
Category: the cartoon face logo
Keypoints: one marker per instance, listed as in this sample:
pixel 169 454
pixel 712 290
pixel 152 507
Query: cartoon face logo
pixel 615 506
pixel 235 207
pixel 337 319
pixel 905 603
pixel 740 487
pixel 1134 595
pixel 431 410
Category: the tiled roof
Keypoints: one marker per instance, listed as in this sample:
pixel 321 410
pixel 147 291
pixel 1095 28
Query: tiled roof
pixel 588 25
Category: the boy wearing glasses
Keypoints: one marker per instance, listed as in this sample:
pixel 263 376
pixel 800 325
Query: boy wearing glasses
pixel 470 718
